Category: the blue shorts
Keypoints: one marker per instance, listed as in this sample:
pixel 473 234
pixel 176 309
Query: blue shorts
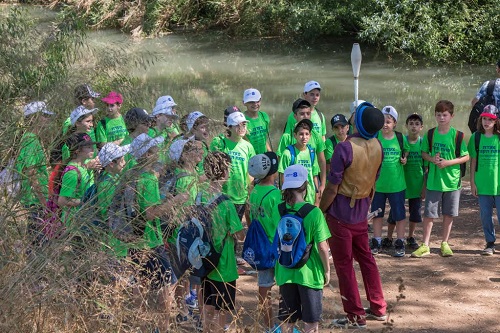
pixel 396 201
pixel 414 206
pixel 266 278
pixel 299 302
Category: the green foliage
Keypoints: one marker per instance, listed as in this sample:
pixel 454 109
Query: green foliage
pixel 439 31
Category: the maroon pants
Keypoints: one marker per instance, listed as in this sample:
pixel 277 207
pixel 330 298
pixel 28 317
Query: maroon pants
pixel 348 242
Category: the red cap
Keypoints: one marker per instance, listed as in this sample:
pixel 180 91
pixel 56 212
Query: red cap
pixel 112 98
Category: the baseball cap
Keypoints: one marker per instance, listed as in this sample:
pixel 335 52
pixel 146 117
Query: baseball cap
pixel 368 120
pixel 80 111
pixel 79 140
pixel 311 85
pixel 142 143
pixel 112 98
pixel 177 147
pixel 167 99
pixel 228 111
pixel 191 119
pixel 415 116
pixel 390 110
pixel 137 116
pixel 307 122
pixel 251 95
pixel 111 151
pixel 236 118
pixel 164 109
pixel 262 165
pixel 35 107
pixel 353 106
pixel 490 111
pixel 298 103
pixel 339 119
pixel 294 176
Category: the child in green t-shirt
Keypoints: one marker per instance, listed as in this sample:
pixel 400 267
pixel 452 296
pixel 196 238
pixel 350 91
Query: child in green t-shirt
pixel 340 128
pixel 302 110
pixel 219 287
pixel 258 122
pixel 138 122
pixel 84 97
pixel 301 289
pixel 443 179
pixel 112 127
pixel 263 199
pixel 391 184
pixel 304 154
pixel 484 147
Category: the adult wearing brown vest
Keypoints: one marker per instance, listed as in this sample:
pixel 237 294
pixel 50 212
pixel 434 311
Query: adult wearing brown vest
pixel 346 200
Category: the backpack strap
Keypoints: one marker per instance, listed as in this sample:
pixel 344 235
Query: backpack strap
pixel 282 209
pixel 459 137
pixel 262 200
pixel 103 124
pixel 490 87
pixel 304 210
pixel 291 148
pixel 69 168
pixel 334 141
pixel 430 134
pixel 312 154
pixel 399 136
pixel 477 139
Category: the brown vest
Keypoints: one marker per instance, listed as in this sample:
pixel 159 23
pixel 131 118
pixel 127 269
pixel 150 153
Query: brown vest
pixel 359 178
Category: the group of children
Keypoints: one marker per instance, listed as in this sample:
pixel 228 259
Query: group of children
pixel 171 164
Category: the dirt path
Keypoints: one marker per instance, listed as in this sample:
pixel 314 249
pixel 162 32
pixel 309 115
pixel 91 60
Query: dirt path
pixel 455 294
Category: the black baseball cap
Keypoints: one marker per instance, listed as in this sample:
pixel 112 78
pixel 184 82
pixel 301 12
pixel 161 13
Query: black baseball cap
pixel 339 119
pixel 298 103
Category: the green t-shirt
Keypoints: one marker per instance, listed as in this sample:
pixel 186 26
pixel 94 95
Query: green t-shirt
pixel 258 131
pixel 329 147
pixel 236 187
pixel 66 125
pixel 73 185
pixel 446 179
pixel 65 148
pixel 316 231
pixel 315 141
pixel 262 201
pixel 317 120
pixel 31 156
pixel 148 194
pixel 225 223
pixel 486 177
pixel 414 171
pixel 186 184
pixel 303 158
pixel 115 129
pixel 392 176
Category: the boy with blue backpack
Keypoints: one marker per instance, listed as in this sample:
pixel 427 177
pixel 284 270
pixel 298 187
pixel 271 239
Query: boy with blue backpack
pixel 303 268
pixel 258 248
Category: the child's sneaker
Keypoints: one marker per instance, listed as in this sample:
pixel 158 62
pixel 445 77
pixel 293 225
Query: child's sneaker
pixel 374 246
pixel 411 243
pixel 387 243
pixel 399 248
pixel 446 250
pixel 347 324
pixel 422 251
pixel 371 316
pixel 489 249
pixel 192 300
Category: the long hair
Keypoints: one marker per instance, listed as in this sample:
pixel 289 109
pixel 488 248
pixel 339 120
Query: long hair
pixel 496 127
pixel 288 195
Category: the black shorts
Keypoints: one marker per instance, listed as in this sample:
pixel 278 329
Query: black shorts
pixel 221 295
pixel 155 266
pixel 298 302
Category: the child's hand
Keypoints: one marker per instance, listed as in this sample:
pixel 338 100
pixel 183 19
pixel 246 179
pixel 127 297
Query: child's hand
pixel 94 164
pixel 403 160
pixel 473 189
pixel 443 163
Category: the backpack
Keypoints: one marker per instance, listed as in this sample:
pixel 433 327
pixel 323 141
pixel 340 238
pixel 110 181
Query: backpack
pixel 257 251
pixel 459 137
pixel 334 141
pixel 10 182
pixel 168 183
pixel 291 148
pixel 124 218
pixel 195 248
pixel 51 223
pixel 290 237
pixel 399 136
pixel 477 109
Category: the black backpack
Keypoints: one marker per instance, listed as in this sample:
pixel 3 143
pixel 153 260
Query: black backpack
pixel 477 109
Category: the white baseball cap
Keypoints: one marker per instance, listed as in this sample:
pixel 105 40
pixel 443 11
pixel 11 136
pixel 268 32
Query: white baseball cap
pixel 311 85
pixel 294 176
pixel 143 143
pixel 164 109
pixel 191 119
pixel 177 147
pixel 390 110
pixel 353 106
pixel 236 118
pixel 251 95
pixel 262 165
pixel 79 112
pixel 35 107
pixel 167 99
pixel 112 151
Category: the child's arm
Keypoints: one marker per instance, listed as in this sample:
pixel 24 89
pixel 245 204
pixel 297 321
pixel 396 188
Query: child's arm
pixel 443 163
pixel 322 172
pixel 473 187
pixel 328 196
pixel 323 254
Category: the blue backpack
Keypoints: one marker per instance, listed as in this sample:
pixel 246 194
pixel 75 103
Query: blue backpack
pixel 290 237
pixel 258 252
pixel 291 148
pixel 195 248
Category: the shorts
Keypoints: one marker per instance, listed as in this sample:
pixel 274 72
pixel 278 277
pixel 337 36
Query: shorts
pixel 266 278
pixel 155 266
pixel 240 209
pixel 414 206
pixel 221 295
pixel 449 202
pixel 298 302
pixel 396 202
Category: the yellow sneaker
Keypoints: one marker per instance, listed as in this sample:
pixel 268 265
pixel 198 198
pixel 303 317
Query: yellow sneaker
pixel 446 250
pixel 422 251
